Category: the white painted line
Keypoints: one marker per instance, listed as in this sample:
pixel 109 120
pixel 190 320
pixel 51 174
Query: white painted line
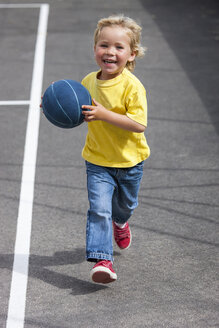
pixel 20 5
pixel 14 102
pixel 17 300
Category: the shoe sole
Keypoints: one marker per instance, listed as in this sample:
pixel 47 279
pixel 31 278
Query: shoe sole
pixel 103 275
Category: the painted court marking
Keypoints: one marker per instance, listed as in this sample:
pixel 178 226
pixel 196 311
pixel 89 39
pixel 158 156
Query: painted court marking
pixel 14 102
pixel 21 5
pixel 17 299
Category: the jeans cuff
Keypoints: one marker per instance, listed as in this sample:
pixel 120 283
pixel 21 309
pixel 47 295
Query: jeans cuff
pixel 92 257
pixel 119 221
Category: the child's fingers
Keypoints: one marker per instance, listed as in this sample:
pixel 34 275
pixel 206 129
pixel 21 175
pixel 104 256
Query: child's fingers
pixel 87 113
pixel 95 102
pixel 88 118
pixel 88 107
pixel 41 102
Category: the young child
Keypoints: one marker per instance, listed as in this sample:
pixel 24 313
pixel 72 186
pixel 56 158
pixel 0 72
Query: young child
pixel 115 147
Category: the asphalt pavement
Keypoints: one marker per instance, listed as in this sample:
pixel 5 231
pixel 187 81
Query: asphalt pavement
pixel 169 276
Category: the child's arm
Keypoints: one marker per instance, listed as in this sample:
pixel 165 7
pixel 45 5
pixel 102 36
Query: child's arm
pixel 98 112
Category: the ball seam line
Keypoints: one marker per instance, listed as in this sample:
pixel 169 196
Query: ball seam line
pixel 60 105
pixel 76 97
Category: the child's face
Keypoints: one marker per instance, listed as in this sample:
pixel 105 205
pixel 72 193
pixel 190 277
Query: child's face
pixel 112 51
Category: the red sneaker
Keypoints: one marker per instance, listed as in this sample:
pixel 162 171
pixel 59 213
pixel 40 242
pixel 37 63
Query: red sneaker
pixel 123 236
pixel 103 272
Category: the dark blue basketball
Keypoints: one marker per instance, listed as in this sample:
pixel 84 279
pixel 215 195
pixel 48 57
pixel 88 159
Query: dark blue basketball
pixel 62 103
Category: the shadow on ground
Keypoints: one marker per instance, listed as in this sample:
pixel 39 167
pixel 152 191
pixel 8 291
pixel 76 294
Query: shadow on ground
pixel 191 29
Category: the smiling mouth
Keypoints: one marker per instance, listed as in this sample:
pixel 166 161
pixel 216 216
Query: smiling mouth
pixel 107 61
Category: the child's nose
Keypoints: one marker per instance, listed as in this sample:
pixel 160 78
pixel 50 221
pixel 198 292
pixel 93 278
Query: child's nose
pixel 111 51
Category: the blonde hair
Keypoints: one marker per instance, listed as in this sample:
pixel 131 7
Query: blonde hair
pixel 133 31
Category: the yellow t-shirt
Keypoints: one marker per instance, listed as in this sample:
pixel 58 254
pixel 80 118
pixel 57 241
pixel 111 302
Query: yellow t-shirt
pixel 107 144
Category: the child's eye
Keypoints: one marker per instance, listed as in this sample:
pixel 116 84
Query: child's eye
pixel 103 45
pixel 119 47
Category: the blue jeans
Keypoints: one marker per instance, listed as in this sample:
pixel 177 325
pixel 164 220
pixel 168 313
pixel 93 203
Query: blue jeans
pixel 113 195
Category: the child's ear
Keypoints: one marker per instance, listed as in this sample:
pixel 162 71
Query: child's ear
pixel 132 56
pixel 94 52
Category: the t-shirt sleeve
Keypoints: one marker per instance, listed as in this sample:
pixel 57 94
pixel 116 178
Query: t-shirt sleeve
pixel 86 79
pixel 136 105
pixel 83 82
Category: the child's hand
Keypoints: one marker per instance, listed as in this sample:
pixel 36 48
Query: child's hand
pixel 41 106
pixel 98 112
pixel 94 113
